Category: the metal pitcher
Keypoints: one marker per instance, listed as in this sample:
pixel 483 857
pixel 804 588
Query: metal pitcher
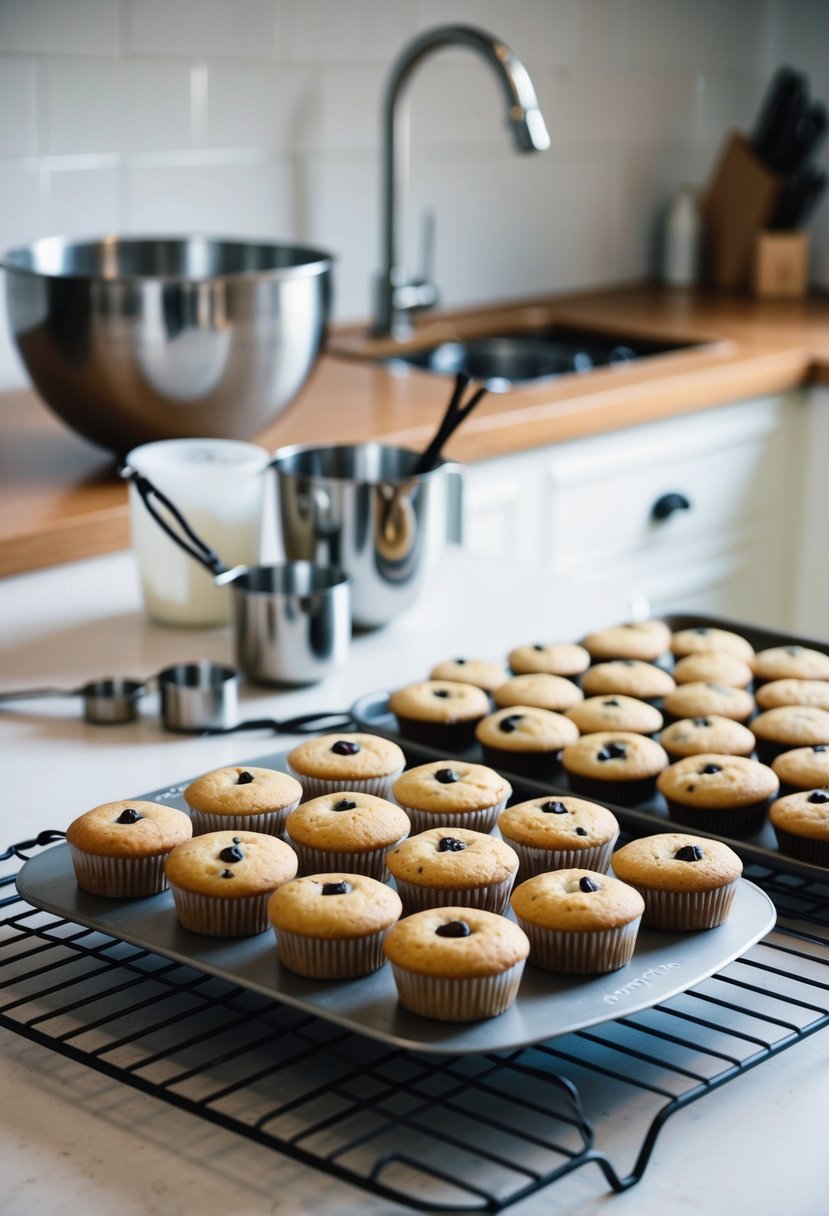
pixel 359 508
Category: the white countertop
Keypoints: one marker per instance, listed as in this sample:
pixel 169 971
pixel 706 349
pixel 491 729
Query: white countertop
pixel 74 1141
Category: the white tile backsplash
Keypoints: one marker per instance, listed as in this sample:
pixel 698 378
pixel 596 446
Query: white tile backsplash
pixel 262 118
pixel 60 27
pixel 122 106
pixel 241 29
pixel 18 107
pixel 247 200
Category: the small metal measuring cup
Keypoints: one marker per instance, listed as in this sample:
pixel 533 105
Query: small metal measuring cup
pixel 292 621
pixel 105 702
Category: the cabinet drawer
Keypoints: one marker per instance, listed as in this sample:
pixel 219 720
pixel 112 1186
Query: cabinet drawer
pixel 727 464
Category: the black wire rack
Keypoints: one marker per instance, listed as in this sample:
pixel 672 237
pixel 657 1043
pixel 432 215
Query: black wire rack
pixel 453 1133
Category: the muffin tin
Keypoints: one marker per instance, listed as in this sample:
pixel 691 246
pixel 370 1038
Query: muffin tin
pixel 663 964
pixel 371 713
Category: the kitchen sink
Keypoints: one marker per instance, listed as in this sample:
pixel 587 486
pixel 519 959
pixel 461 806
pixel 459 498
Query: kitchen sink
pixel 499 361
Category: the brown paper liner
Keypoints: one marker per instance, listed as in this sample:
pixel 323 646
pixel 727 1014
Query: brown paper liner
pixel 477 821
pixel 371 862
pixel 687 910
pixel 494 897
pixel 458 1000
pixel 318 787
pixel 218 917
pixel 534 861
pixel 589 953
pixel 331 958
pixel 272 823
pixel 119 877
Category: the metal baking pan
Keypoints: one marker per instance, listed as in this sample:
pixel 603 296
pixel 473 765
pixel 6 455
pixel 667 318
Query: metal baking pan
pixel 371 713
pixel 547 1005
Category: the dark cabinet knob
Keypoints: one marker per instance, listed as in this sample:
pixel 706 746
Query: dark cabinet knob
pixel 668 504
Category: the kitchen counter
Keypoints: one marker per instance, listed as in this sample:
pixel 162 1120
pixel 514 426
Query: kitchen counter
pixel 75 1141
pixel 60 499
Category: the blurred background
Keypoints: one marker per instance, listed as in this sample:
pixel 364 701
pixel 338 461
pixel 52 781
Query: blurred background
pixel 261 118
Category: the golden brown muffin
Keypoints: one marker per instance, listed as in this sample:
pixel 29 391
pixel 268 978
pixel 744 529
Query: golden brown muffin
pixel 564 659
pixel 708 637
pixel 728 795
pixel 363 762
pixel 558 832
pixel 614 766
pixel 456 866
pixel 693 736
pixel 221 881
pixel 481 673
pixel 715 667
pixel 632 677
pixel 687 882
pixel 578 921
pixel 439 713
pixel 791 662
pixel 646 640
pixel 332 926
pixel 457 964
pixel 525 740
pixel 540 690
pixel 801 825
pixel 700 700
pixel 615 711
pixel 118 849
pixel 256 799
pixel 348 831
pixel 452 793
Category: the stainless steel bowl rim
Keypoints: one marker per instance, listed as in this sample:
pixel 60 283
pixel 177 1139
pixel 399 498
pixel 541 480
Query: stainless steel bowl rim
pixel 318 260
pixel 298 449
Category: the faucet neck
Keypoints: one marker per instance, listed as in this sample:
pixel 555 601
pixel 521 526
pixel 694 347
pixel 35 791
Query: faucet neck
pixel 398 296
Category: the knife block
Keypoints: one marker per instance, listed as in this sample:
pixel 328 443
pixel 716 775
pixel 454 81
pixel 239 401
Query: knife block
pixel 781 265
pixel 738 203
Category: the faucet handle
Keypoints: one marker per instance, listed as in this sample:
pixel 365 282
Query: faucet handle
pixel 427 244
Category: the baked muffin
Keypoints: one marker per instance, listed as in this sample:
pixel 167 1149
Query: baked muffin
pixel 457 964
pixel 793 692
pixel 480 672
pixel 361 762
pixel 790 662
pixel 439 713
pixel 727 795
pixel 452 794
pixel 700 700
pixel 615 712
pixel 614 766
pixel 801 825
pixel 118 849
pixel 578 921
pixel 539 690
pixel 222 881
pixel 714 667
pixel 694 736
pixel 332 926
pixel 632 677
pixel 779 730
pixel 453 866
pixel 347 831
pixel 687 882
pixel 256 799
pixel 802 768
pixel 557 833
pixel 708 637
pixel 525 740
pixel 646 640
pixel 552 658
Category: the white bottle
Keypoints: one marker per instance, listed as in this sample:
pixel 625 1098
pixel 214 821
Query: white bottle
pixel 681 240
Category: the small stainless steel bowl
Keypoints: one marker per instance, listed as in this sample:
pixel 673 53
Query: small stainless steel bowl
pixel 131 339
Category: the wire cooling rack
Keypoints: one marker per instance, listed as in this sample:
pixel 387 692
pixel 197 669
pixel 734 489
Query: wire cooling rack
pixel 465 1134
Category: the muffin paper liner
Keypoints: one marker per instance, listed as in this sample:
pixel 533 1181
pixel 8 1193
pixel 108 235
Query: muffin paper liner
pixel 271 823
pixel 318 787
pixel 816 852
pixel 477 821
pixel 539 765
pixel 371 862
pixel 447 736
pixel 623 793
pixel 119 877
pixel 218 917
pixel 330 958
pixel 735 822
pixel 581 953
pixel 686 910
pixel 458 1000
pixel 534 861
pixel 493 897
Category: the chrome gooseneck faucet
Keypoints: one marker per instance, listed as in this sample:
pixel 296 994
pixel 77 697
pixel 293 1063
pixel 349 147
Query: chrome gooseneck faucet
pixel 398 295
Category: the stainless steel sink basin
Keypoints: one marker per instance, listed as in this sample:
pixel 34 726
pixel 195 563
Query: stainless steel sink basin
pixel 500 361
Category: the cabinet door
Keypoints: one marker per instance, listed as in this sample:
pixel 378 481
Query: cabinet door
pixel 811 584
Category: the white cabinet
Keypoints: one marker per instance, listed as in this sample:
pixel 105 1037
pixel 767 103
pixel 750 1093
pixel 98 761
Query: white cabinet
pixel 590 509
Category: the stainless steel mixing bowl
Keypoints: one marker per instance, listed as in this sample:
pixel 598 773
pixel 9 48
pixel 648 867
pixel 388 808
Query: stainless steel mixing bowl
pixel 131 339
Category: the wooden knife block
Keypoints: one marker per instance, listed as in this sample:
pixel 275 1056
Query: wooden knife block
pixel 738 204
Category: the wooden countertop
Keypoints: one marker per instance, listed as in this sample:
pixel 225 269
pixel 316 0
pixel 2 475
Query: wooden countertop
pixel 60 498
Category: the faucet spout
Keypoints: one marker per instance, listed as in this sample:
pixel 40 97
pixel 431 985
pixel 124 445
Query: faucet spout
pixel 398 295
